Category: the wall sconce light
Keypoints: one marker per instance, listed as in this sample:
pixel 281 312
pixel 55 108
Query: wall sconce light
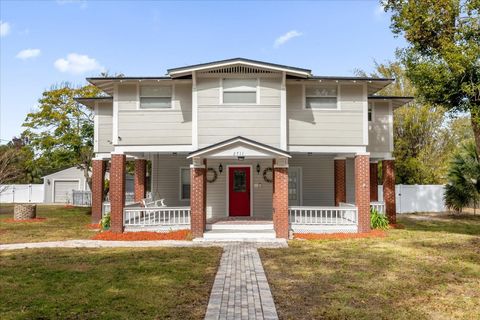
pixel 48 181
pixel 241 158
pixel 309 154
pixel 220 168
pixel 258 168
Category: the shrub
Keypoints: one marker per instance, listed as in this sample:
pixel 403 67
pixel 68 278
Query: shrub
pixel 377 220
pixel 105 222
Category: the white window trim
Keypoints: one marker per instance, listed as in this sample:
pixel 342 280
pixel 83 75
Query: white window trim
pixel 172 101
pixel 180 184
pixel 257 98
pixel 372 103
pixel 304 98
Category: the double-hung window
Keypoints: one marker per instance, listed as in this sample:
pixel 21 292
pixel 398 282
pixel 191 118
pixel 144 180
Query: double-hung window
pixel 321 97
pixel 185 184
pixel 155 97
pixel 241 91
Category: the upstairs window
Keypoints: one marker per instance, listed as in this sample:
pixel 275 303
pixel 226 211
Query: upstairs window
pixel 240 91
pixel 321 97
pixel 155 97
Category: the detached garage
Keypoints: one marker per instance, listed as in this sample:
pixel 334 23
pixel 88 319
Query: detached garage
pixel 58 186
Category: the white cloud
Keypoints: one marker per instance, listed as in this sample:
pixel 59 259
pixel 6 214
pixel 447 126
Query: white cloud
pixel 28 53
pixel 286 37
pixel 4 28
pixel 77 64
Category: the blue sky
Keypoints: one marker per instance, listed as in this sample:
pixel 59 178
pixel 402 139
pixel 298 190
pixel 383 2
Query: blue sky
pixel 47 42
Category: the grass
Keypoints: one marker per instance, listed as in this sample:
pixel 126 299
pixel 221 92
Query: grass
pixel 429 270
pixel 107 283
pixel 61 224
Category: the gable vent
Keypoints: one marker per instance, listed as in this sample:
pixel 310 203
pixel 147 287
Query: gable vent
pixel 239 70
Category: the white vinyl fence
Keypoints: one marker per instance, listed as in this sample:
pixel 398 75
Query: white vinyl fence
pixel 417 198
pixel 21 193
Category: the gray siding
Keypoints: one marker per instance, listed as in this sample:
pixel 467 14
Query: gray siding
pixel 104 117
pixel 350 180
pixel 379 129
pixel 326 127
pixel 317 179
pixel 166 178
pixel 259 122
pixel 155 127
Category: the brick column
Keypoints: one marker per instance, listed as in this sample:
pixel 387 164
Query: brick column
pixel 340 165
pixel 117 192
pixel 373 181
pixel 98 178
pixel 280 202
pixel 198 195
pixel 140 179
pixel 389 189
pixel 362 191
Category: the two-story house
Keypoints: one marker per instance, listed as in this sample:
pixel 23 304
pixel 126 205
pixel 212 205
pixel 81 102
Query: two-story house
pixel 274 144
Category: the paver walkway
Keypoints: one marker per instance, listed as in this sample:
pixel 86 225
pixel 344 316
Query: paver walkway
pixel 241 290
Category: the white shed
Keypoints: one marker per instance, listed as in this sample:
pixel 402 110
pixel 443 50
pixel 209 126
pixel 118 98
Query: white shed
pixel 58 186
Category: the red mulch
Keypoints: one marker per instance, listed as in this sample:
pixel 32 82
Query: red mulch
pixel 325 236
pixel 27 220
pixel 93 226
pixel 141 236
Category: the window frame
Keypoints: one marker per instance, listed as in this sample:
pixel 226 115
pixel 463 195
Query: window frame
pixel 372 105
pixel 304 97
pixel 180 182
pixel 172 96
pixel 257 93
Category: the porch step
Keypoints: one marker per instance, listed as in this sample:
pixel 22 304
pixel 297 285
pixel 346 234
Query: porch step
pixel 238 235
pixel 240 226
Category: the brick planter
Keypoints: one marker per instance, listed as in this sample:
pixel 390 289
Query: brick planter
pixel 24 211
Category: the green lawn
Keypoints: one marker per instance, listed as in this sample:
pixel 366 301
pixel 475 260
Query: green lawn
pixel 430 270
pixel 107 283
pixel 61 224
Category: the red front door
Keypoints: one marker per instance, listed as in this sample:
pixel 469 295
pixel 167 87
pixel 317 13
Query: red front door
pixel 239 191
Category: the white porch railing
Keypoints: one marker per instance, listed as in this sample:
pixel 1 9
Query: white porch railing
pixel 379 206
pixel 161 217
pixel 323 215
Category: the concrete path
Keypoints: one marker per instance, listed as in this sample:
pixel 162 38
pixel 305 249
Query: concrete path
pixel 129 244
pixel 241 290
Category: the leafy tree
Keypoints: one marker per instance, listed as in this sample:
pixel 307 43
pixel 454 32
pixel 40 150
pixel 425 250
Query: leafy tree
pixel 463 186
pixel 424 136
pixel 443 56
pixel 60 132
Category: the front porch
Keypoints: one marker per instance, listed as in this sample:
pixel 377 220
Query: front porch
pixel 314 193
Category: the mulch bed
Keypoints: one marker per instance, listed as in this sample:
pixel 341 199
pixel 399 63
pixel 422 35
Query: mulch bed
pixel 93 226
pixel 142 236
pixel 27 220
pixel 330 236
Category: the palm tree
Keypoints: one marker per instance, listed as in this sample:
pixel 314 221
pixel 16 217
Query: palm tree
pixel 463 186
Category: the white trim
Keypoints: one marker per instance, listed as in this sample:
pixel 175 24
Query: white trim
pixel 227 209
pixel 115 115
pixel 102 156
pixel 340 158
pixel 304 96
pixel 283 113
pixel 365 114
pixel 194 111
pixel 236 141
pixel 328 149
pixel 172 97
pixel 240 61
pixel 362 154
pixel 381 155
pixel 95 128
pixel 257 93
pixel 153 148
pixel 53 186
pixel 390 126
pixel 180 183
